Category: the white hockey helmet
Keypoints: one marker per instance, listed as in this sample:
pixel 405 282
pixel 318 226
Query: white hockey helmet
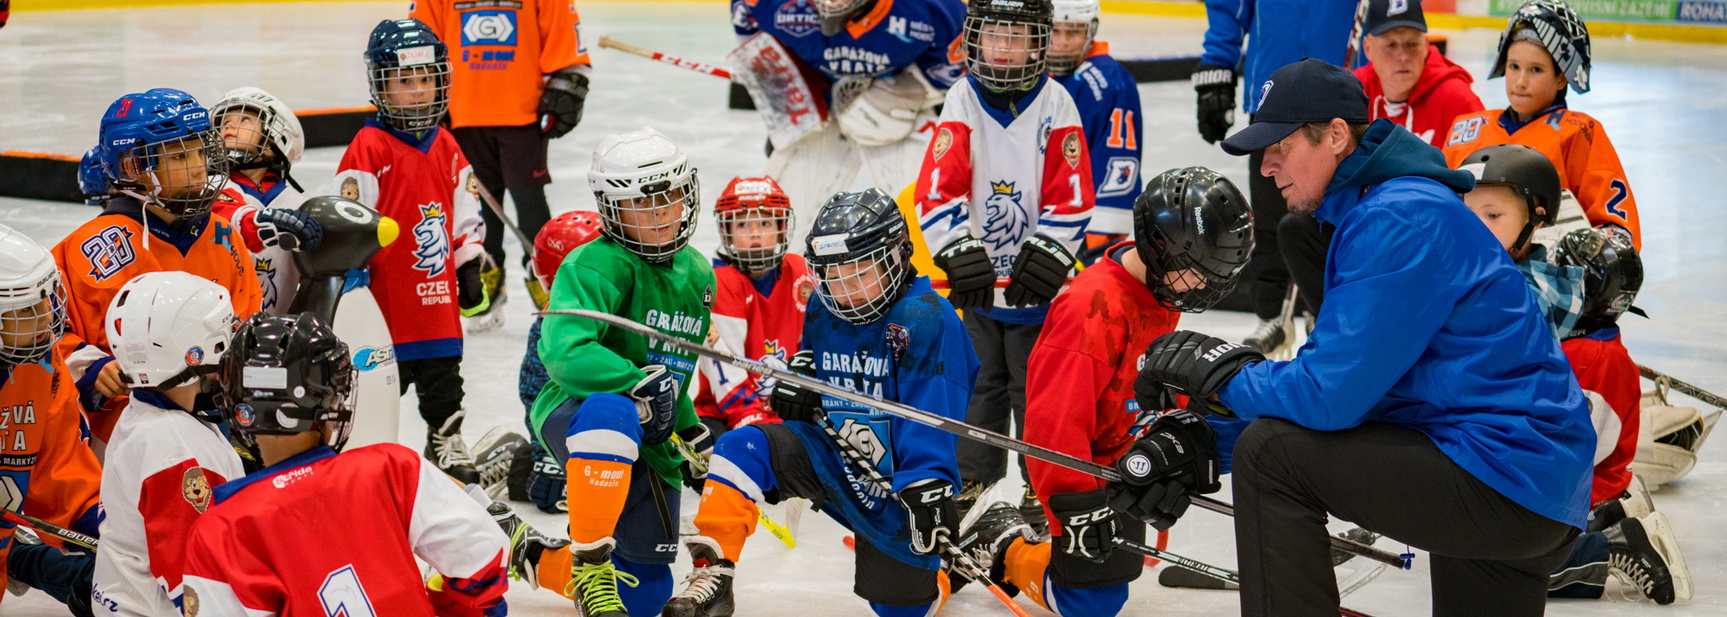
pixel 1071 15
pixel 277 128
pixel 644 187
pixel 32 302
pixel 168 328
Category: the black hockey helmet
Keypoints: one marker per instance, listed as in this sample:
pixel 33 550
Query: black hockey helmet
pixel 1527 172
pixel 852 228
pixel 1028 24
pixel 407 46
pixel 1195 223
pixel 1612 274
pixel 288 374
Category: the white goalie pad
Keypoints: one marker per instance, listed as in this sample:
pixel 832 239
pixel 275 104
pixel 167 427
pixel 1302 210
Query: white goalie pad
pixel 790 107
pixel 1669 438
pixel 883 110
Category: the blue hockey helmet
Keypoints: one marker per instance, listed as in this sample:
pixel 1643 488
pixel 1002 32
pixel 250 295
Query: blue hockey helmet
pixel 159 147
pixel 91 182
pixel 398 53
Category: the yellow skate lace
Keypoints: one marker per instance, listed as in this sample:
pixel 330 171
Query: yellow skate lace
pixel 599 585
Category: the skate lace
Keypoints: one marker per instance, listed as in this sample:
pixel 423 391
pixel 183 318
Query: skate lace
pixel 704 582
pixel 599 585
pixel 450 450
pixel 1267 329
pixel 1632 573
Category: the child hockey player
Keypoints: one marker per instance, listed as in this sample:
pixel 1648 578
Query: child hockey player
pixel 614 401
pixel 1544 49
pixel 169 331
pixel 284 540
pixel 1005 191
pixel 1108 101
pixel 162 163
pixel 262 140
pixel 1517 192
pixel 46 468
pixel 1193 233
pixel 407 168
pixel 879 329
pixel 759 307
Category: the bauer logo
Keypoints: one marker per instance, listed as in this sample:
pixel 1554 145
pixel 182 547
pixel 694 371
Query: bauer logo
pixel 489 28
pixel 797 18
pixel 828 245
pixel 412 56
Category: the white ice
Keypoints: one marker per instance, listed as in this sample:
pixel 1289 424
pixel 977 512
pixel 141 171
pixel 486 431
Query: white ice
pixel 1660 102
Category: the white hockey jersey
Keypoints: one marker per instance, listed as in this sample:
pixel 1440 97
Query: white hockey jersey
pixel 1001 176
pixel 162 467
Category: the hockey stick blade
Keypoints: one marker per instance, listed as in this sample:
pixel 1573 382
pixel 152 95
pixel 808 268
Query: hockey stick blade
pixel 1221 578
pixel 1188 579
pixel 935 421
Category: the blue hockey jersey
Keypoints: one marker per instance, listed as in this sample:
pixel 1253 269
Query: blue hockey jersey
pixel 894 34
pixel 1108 102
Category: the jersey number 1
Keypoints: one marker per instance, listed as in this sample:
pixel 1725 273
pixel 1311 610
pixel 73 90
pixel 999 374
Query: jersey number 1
pixel 343 595
pixel 1121 130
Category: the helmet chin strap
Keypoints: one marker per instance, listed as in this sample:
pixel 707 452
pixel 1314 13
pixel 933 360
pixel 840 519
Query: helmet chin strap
pixel 1523 237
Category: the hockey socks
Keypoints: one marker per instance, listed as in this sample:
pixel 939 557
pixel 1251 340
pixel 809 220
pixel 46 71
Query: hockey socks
pixel 738 474
pixel 604 439
pixel 1028 568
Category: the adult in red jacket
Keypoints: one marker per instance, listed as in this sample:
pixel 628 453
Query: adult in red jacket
pixel 1406 81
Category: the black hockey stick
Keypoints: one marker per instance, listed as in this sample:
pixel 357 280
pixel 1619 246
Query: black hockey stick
pixel 73 537
pixel 920 416
pixel 1683 388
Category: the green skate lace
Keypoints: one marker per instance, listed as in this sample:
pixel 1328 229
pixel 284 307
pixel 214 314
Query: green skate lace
pixel 599 583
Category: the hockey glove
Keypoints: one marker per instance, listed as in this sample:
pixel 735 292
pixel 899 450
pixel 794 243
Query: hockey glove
pixel 795 403
pixel 1176 459
pixel 471 293
pixel 544 481
pixel 561 104
pixel 970 277
pixel 1216 88
pixel 1193 364
pixel 933 516
pixel 290 229
pixel 656 403
pixel 1087 524
pixel 1039 272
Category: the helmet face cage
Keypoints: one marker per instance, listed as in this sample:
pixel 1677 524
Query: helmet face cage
pixel 29 331
pixel 1065 63
pixel 250 143
pixel 736 212
pixel 1184 284
pixel 640 223
pixel 861 289
pixel 400 94
pixel 1006 54
pixel 184 175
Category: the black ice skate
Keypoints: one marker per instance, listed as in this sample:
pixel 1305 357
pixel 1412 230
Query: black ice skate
pixel 497 450
pixel 446 449
pixel 594 580
pixel 1633 559
pixel 526 543
pixel 708 588
pixel 986 540
pixel 1032 511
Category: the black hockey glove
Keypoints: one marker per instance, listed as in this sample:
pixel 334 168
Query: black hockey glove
pixel 970 277
pixel 1039 272
pixel 656 403
pixel 1176 459
pixel 471 294
pixel 795 403
pixel 1216 88
pixel 1194 364
pixel 290 229
pixel 544 481
pixel 934 518
pixel 561 104
pixel 1087 524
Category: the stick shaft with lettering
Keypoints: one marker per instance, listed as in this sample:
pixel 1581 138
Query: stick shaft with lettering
pixel 73 537
pixel 699 67
pixel 936 421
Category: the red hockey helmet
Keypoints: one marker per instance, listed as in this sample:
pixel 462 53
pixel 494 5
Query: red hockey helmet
pixel 558 237
pixel 753 199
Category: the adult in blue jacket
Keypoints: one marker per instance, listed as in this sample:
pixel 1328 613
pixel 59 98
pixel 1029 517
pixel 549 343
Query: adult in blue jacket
pixel 1252 38
pixel 1431 404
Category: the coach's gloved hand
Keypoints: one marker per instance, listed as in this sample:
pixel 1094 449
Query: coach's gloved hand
pixel 795 403
pixel 290 229
pixel 934 517
pixel 1087 524
pixel 1194 364
pixel 471 294
pixel 561 104
pixel 1039 272
pixel 970 276
pixel 1176 459
pixel 1216 88
pixel 656 403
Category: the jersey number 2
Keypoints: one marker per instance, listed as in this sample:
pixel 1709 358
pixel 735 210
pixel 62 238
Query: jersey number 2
pixel 1620 193
pixel 343 595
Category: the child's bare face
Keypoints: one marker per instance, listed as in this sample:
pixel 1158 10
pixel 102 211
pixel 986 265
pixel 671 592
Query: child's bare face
pixel 1531 81
pixel 1503 210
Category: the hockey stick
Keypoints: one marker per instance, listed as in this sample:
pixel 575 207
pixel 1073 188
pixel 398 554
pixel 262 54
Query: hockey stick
pixel 1683 388
pixel 536 292
pixel 67 535
pixel 695 460
pixel 699 67
pixel 1226 576
pixel 920 416
pixel 1355 34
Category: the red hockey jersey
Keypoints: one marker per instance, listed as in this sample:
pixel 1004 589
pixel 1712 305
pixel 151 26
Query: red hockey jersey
pixel 325 534
pixel 47 469
pixel 755 326
pixel 1604 366
pixel 1079 380
pixel 425 185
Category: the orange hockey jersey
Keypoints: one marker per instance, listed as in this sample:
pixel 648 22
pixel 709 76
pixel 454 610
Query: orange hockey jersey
pixel 109 250
pixel 44 458
pixel 1578 146
pixel 500 53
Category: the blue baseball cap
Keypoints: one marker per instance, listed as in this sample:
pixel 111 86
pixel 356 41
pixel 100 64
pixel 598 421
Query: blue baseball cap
pixel 1307 91
pixel 1386 15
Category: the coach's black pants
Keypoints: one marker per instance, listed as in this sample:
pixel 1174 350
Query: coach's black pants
pixel 1304 241
pixel 1490 556
pixel 998 398
pixel 1269 277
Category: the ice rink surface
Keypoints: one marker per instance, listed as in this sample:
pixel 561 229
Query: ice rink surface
pixel 1660 102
